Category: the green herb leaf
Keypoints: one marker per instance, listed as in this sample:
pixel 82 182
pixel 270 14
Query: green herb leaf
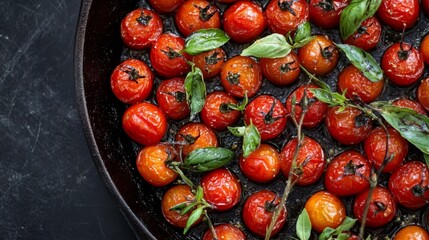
pixel 363 61
pixel 327 233
pixel 331 98
pixel 345 226
pixel 205 40
pixel 199 195
pixel 251 140
pixel 195 89
pixel 426 157
pixel 241 106
pixel 271 46
pixel 193 218
pixel 207 159
pixel 303 226
pixel 179 206
pixel 302 35
pixel 237 131
pixel 188 208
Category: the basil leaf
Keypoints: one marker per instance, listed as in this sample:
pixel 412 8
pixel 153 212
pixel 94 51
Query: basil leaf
pixel 303 226
pixel 343 236
pixel 303 35
pixel 195 89
pixel 426 157
pixel 251 140
pixel 271 46
pixel 331 98
pixel 207 159
pixel 346 225
pixel 241 106
pixel 363 61
pixel 237 131
pixel 205 40
pixel 193 218
pixel 199 195
pixel 327 233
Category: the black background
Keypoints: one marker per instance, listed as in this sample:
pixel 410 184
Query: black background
pixel 49 187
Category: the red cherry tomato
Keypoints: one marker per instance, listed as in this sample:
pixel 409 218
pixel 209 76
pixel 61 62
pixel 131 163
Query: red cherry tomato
pixel 406 103
pixel 326 13
pixel 216 112
pixel 402 64
pixel 310 161
pixel 412 232
pixel 165 6
pixel 194 15
pixel 152 164
pixel 423 93
pixel 225 231
pixel 367 36
pixel 268 115
pixel 285 15
pixel 425 5
pixel 258 211
pixel 244 21
pixel 399 14
pixel 424 48
pixel 352 81
pixel 241 75
pixel 221 189
pixel 281 71
pixel 210 62
pixel 132 81
pixel 144 123
pixel 262 165
pixel 347 174
pixel 171 98
pixel 319 56
pixel 409 185
pixel 325 210
pixel 316 109
pixel 141 28
pixel 166 57
pixel 195 136
pixel 382 207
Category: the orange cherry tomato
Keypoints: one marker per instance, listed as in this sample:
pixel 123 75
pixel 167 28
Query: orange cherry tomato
pixel 210 62
pixel 423 93
pixel 412 232
pixel 195 136
pixel 319 56
pixel 281 71
pixel 262 165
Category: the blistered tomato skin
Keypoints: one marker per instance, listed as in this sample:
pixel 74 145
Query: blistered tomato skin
pixel 210 62
pixel 262 165
pixel 409 185
pixel 132 81
pixel 225 231
pixel 171 98
pixel 144 123
pixel 399 14
pixel 141 28
pixel 367 36
pixel 165 6
pixel 195 136
pixel 326 13
pixel 406 103
pixel 284 16
pixel 411 232
pixel 423 93
pixel 319 56
pixel 216 113
pixel 281 71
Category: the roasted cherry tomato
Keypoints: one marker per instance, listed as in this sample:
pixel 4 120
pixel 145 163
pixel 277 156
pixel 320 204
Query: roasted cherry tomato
pixel 326 13
pixel 353 237
pixel 140 28
pixel 258 211
pixel 325 210
pixel 152 164
pixel 225 231
pixel 347 174
pixel 262 165
pixel 195 136
pixel 194 15
pixel 165 6
pixel 244 21
pixel 268 115
pixel 216 113
pixel 424 48
pixel 423 93
pixel 310 161
pixel 367 36
pixel 399 14
pixel 132 81
pixel 319 56
pixel 241 75
pixel 210 62
pixel 281 71
pixel 375 148
pixel 349 126
pixel 166 57
pixel 352 81
pixel 144 123
pixel 411 232
pixel 406 103
pixel 221 189
pixel 402 64
pixel 409 185
pixel 316 109
pixel 285 15
pixel 171 98
pixel 382 207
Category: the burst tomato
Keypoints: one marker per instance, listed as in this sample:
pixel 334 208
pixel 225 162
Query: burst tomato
pixel 284 16
pixel 195 136
pixel 319 56
pixel 281 71
pixel 210 62
pixel 262 165
pixel 326 13
pixel 171 98
pixel 367 36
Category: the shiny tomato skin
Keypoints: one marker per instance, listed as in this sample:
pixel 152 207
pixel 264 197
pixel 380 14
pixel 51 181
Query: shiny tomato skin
pixel 165 6
pixel 402 65
pixel 281 20
pixel 171 98
pixel 225 231
pixel 268 115
pixel 221 189
pixel 166 58
pixel 367 36
pixel 325 210
pixel 216 114
pixel 194 15
pixel 352 81
pixel 258 210
pixel 141 28
pixel 210 62
pixel 144 123
pixel 310 155
pixel 152 164
pixel 262 165
pixel 132 81
pixel 281 71
pixel 326 13
pixel 399 14
pixel 382 207
pixel 413 105
pixel 195 136
pixel 316 110
pixel 411 232
pixel 347 174
pixel 409 185
pixel 423 93
pixel 424 48
pixel 319 56
pixel 241 75
pixel 244 21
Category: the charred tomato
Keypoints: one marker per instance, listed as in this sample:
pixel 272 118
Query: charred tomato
pixel 194 136
pixel 171 98
pixel 326 13
pixel 284 16
pixel 407 103
pixel 319 56
pixel 216 113
pixel 225 231
pixel 423 93
pixel 367 36
pixel 399 14
pixel 262 165
pixel 281 71
pixel 210 62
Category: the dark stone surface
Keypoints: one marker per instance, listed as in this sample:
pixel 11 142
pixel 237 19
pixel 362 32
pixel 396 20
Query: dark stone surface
pixel 49 188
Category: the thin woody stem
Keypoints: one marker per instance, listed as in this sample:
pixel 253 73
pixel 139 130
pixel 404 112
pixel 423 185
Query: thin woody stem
pixel 209 222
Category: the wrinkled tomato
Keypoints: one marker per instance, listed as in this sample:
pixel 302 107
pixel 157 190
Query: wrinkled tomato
pixel 171 98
